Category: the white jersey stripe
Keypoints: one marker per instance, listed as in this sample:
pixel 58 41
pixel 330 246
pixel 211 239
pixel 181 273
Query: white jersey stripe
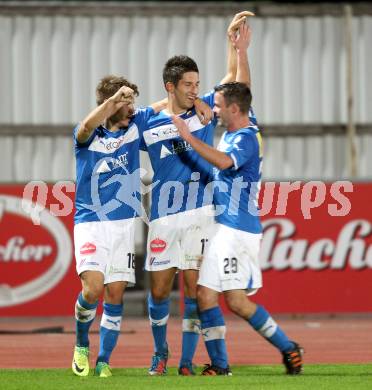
pixel 169 131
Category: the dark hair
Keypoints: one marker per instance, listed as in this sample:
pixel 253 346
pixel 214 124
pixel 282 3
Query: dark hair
pixel 109 85
pixel 238 93
pixel 176 66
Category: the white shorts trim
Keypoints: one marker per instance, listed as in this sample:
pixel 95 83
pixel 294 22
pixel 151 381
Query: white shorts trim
pixel 179 240
pixel 232 262
pixel 107 247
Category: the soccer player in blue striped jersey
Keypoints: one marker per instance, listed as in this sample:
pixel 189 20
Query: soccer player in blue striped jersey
pixel 181 204
pixel 107 204
pixel 231 264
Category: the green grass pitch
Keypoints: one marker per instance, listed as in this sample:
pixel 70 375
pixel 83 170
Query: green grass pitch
pixel 315 377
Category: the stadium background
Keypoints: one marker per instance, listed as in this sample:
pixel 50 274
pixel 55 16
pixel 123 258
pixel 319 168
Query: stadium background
pixel 312 88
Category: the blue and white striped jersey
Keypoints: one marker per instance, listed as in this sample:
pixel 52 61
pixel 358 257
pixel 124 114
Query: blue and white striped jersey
pixel 181 175
pixel 107 172
pixel 237 188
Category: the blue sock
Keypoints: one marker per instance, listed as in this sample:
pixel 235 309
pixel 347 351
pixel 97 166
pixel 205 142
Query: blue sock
pixel 158 315
pixel 190 331
pixel 109 330
pixel 213 331
pixel 263 323
pixel 84 316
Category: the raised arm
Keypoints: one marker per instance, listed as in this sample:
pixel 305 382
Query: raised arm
pixel 232 30
pixel 240 42
pixel 124 96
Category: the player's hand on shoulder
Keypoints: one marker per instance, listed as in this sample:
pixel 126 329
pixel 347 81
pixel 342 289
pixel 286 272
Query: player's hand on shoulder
pixel 203 111
pixel 181 127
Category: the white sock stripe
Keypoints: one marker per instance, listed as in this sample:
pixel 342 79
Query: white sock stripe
pixel 191 325
pixel 214 333
pixel 112 323
pixel 268 328
pixel 163 321
pixel 84 315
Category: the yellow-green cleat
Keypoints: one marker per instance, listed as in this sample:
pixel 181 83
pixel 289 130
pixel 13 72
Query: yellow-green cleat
pixel 103 370
pixel 80 362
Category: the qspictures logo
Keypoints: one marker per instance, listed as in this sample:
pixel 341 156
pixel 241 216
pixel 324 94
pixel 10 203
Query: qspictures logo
pixel 33 259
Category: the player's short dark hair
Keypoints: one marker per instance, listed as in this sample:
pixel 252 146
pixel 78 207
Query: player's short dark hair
pixel 109 85
pixel 238 93
pixel 176 66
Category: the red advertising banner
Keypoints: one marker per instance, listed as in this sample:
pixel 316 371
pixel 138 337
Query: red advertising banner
pixel 37 267
pixel 316 253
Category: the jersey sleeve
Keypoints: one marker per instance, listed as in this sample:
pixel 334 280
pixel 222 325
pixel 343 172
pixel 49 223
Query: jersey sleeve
pixel 252 116
pixel 78 144
pixel 243 148
pixel 141 120
pixel 208 98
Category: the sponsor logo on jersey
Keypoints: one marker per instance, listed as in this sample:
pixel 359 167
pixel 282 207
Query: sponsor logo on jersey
pixel 88 249
pixel 111 144
pixel 177 147
pixel 153 261
pixel 158 245
pixel 169 131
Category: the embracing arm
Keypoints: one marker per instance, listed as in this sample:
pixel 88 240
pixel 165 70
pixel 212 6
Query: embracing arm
pixel 124 96
pixel 215 157
pixel 160 105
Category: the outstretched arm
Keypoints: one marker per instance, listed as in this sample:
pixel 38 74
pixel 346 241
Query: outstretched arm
pixel 232 30
pixel 124 96
pixel 240 43
pixel 212 155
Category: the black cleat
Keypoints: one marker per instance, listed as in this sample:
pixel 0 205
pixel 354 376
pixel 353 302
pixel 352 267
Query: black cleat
pixel 293 360
pixel 210 370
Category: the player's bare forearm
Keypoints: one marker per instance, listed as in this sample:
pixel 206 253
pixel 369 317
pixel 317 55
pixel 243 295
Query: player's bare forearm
pixel 94 119
pixel 105 110
pixel 160 105
pixel 231 64
pixel 243 73
pixel 212 155
pixel 241 44
pixel 232 60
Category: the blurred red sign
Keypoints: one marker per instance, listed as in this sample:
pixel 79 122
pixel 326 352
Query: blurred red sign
pixel 316 253
pixel 37 272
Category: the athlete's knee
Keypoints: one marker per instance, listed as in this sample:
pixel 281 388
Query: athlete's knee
pixel 92 290
pixel 190 278
pixel 114 292
pixel 92 283
pixel 190 292
pixel 235 305
pixel 159 293
pixel 91 293
pixel 240 305
pixel 206 298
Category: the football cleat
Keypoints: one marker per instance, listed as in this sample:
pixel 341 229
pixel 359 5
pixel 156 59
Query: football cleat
pixel 159 364
pixel 186 370
pixel 211 370
pixel 103 370
pixel 80 361
pixel 293 360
